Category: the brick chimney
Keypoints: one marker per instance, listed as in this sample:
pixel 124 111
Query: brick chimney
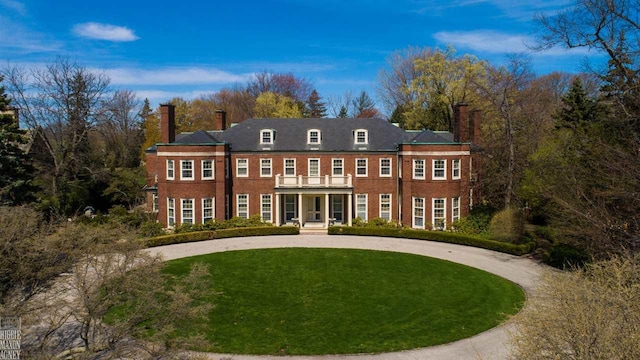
pixel 221 120
pixel 476 136
pixel 461 122
pixel 167 123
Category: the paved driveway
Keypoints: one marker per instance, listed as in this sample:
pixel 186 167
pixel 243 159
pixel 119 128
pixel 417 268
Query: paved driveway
pixel 491 344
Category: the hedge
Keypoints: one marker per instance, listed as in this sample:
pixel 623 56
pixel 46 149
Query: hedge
pixel 220 234
pixel 446 237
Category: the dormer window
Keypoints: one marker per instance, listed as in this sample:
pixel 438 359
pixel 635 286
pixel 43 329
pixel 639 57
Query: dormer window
pixel 266 136
pixel 361 136
pixel 314 136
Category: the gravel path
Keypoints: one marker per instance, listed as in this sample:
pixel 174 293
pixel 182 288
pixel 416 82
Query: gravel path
pixel 491 344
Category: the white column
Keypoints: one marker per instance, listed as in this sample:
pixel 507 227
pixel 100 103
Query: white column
pixel 277 210
pixel 326 210
pixel 300 208
pixel 349 205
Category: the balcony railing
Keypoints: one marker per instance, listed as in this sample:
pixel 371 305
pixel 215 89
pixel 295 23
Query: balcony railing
pixel 313 181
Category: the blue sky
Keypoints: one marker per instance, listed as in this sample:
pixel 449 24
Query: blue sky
pixel 162 49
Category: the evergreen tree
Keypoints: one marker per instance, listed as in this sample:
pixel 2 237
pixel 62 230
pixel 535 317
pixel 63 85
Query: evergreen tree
pixel 343 112
pixel 315 108
pixel 579 110
pixel 16 170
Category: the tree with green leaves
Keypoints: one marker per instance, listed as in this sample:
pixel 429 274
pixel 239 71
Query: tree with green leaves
pixel 16 170
pixel 272 105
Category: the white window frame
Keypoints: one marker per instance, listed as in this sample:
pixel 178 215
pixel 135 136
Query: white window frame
pixel 205 208
pixel 334 167
pixel 268 162
pixel 434 169
pixel 171 170
pixel 389 167
pixel 356 137
pixel 204 177
pixel 366 167
pixel 359 202
pixel 415 167
pixel 245 213
pixel 182 170
pixel 309 167
pixel 154 202
pixel 285 167
pixel 318 138
pixel 455 209
pixel 435 219
pixel 455 169
pixel 270 137
pixel 269 211
pixel 183 202
pixel 385 214
pixel 171 212
pixel 414 208
pixel 245 167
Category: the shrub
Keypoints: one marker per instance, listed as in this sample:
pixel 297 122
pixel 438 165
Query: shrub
pixel 375 223
pixel 565 256
pixel 439 236
pixel 220 234
pixel 476 223
pixel 507 225
pixel 151 228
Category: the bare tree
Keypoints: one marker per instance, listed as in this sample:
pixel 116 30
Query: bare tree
pixel 287 84
pixel 120 126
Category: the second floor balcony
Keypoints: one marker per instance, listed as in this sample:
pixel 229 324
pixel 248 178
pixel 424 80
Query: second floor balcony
pixel 325 181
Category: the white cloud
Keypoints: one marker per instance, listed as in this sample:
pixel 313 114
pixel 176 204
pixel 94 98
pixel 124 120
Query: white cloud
pixel 172 76
pixel 108 32
pixel 14 5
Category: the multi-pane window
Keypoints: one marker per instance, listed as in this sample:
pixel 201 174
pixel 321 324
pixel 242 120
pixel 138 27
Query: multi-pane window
pixel 171 170
pixel 154 204
pixel 171 211
pixel 418 168
pixel 242 206
pixel 207 210
pixel 314 167
pixel 439 169
pixel 313 137
pixel 455 169
pixel 385 206
pixel 361 136
pixel 455 209
pixel 361 167
pixel 289 167
pixel 187 211
pixel 266 137
pixel 418 212
pixel 186 169
pixel 439 213
pixel 265 207
pixel 242 167
pixel 385 167
pixel 361 206
pixel 337 168
pixel 265 167
pixel 207 169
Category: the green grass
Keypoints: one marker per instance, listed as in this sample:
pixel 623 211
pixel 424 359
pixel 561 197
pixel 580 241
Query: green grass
pixel 300 301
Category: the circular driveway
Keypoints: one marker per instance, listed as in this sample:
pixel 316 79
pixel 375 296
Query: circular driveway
pixel 491 344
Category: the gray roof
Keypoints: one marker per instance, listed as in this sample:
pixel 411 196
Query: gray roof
pixel 291 135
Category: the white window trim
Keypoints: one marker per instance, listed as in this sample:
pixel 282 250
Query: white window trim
pixel 366 167
pixel 169 207
pixel 213 172
pixel 270 207
pixel 270 168
pixel 413 212
pixel 284 167
pixel 366 136
pixel 390 167
pixel 193 170
pixel 309 167
pixel 193 211
pixel 238 205
pixel 173 169
pixel 155 202
pixel 415 161
pixel 366 206
pixel 333 173
pixel 453 169
pixel 213 208
pixel 309 137
pixel 433 170
pixel 266 131
pixel 380 207
pixel 453 208
pixel 433 213
pixel 246 161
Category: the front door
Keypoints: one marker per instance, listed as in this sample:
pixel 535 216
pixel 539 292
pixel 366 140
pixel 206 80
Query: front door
pixel 337 208
pixel 289 208
pixel 314 208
